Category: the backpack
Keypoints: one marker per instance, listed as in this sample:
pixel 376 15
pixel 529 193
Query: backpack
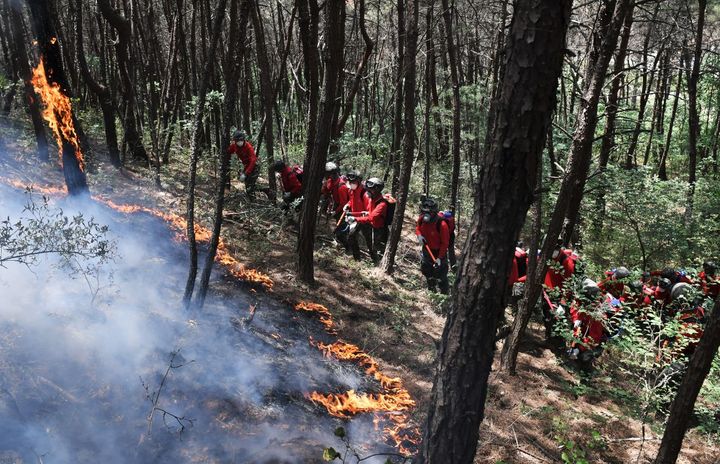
pixel 298 170
pixel 390 213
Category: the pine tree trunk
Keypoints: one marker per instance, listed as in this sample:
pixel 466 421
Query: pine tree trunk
pixel 683 405
pixel 195 148
pixel 335 36
pixel 662 168
pixel 24 71
pixel 387 263
pixel 231 96
pixel 525 104
pixel 693 116
pixel 452 54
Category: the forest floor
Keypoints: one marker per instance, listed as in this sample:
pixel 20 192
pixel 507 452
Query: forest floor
pixel 547 413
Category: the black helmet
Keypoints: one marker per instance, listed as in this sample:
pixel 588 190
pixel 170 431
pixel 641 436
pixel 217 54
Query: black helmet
pixel 354 176
pixel 590 289
pixel 709 267
pixel 375 184
pixel 636 286
pixel 665 283
pixel 239 136
pixel 429 205
pixel 621 273
pixel 668 273
pixel 278 166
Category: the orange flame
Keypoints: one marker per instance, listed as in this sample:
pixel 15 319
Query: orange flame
pixel 323 313
pixel 57 112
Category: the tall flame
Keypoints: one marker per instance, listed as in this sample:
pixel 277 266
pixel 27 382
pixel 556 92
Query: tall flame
pixel 57 112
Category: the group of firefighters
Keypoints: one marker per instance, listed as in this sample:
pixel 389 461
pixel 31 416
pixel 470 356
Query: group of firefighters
pixel 596 311
pixel 360 209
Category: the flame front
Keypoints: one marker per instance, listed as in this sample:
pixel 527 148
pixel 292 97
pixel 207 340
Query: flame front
pixel 57 112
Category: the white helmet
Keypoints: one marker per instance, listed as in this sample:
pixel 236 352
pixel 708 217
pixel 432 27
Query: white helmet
pixel 330 167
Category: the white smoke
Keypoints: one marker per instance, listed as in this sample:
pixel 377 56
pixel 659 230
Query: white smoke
pixel 78 351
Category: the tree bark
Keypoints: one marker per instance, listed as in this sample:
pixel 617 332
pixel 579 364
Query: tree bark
pixel 24 71
pixel 335 36
pixel 662 167
pixel 308 22
pixel 410 74
pixel 231 96
pixel 683 405
pixel 452 54
pixel 266 89
pixel 122 26
pixel 504 192
pixel 107 102
pixel 195 149
pixel 693 116
pixel 51 56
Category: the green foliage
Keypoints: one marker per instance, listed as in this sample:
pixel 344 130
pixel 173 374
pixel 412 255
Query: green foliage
pixel 329 454
pixel 81 243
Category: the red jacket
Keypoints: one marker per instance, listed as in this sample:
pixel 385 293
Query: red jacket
pixel 357 200
pixel 660 295
pixel 555 278
pixel 519 262
pixel 590 330
pixel 290 181
pixel 246 154
pixel 338 191
pixel 377 210
pixel 437 235
pixel 710 284
pixel 612 286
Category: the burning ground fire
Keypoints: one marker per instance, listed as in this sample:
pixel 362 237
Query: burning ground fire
pixel 57 112
pixel 392 402
pixel 390 406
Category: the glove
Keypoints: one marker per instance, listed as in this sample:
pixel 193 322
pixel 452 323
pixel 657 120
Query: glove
pixel 437 263
pixel 346 209
pixel 577 324
pixel 243 177
pixel 615 302
pixel 350 219
pixel 421 240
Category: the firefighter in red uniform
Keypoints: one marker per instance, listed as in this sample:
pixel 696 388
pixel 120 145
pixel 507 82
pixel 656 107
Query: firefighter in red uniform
pixel 334 191
pixel 371 221
pixel 709 281
pixel 587 317
pixel 433 234
pixel 518 270
pixel 292 187
pixel 355 205
pixel 562 268
pixel 449 217
pixel 614 282
pixel 246 154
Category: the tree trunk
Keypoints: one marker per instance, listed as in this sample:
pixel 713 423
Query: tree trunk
pixel 24 71
pixel 693 116
pixel 662 168
pixel 308 22
pixel 107 103
pixel 571 190
pixel 452 53
pixel 410 73
pixel 266 89
pixel 524 109
pixel 399 87
pixel 195 148
pixel 587 121
pixel 335 36
pixel 683 405
pixel 122 26
pixel 231 95
pixel 51 57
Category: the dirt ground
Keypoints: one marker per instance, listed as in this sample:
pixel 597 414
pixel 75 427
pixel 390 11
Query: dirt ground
pixel 544 414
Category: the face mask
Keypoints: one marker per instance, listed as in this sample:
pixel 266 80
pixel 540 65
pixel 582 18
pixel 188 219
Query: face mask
pixel 555 254
pixel 351 186
pixel 426 218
